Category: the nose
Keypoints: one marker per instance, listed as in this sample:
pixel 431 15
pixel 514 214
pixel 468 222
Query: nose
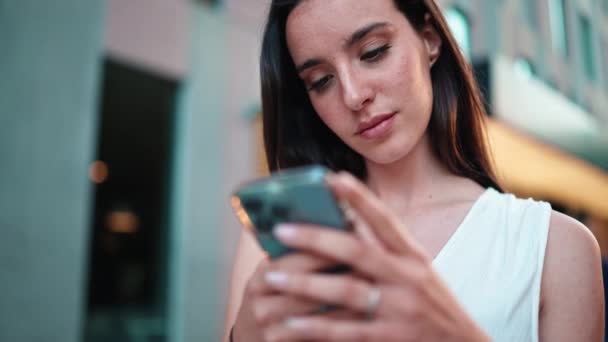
pixel 356 91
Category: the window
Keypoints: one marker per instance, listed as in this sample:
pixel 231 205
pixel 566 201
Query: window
pixel 586 39
pixel 558 22
pixel 461 29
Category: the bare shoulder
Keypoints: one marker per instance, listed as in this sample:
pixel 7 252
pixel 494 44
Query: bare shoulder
pixel 572 294
pixel 571 242
pixel 571 245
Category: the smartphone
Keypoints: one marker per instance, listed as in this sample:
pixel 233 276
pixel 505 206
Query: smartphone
pixel 298 195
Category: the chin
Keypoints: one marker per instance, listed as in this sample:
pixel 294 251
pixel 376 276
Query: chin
pixel 383 159
pixel 387 155
pixel 393 150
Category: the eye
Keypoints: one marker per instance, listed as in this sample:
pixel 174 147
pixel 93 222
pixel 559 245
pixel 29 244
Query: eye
pixel 319 85
pixel 375 54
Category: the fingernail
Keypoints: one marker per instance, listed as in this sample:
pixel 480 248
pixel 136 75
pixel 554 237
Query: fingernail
pixel 285 231
pixel 349 212
pixel 278 279
pixel 297 323
pixel 336 180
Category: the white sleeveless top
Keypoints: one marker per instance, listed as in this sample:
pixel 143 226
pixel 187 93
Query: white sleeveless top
pixel 493 264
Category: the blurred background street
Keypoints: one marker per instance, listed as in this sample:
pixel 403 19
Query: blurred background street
pixel 126 124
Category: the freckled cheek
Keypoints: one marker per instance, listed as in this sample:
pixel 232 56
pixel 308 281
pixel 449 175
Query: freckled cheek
pixel 408 82
pixel 323 109
pixel 331 114
pixel 397 76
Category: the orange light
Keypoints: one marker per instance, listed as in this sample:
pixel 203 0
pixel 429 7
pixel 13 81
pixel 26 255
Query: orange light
pixel 98 172
pixel 240 212
pixel 123 222
pixel 531 168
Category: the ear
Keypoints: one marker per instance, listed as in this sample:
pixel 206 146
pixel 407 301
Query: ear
pixel 432 40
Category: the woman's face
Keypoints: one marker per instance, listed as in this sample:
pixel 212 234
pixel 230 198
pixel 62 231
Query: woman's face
pixel 367 72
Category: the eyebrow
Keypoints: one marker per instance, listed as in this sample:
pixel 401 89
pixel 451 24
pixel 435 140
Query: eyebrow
pixel 362 32
pixel 356 37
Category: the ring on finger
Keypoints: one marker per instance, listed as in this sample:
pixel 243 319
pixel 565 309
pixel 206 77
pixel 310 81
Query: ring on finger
pixel 373 302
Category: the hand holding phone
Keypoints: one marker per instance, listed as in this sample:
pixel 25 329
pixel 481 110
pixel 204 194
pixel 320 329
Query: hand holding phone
pixel 298 195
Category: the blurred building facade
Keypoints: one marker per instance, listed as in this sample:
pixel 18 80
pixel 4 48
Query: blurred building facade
pixel 180 78
pixel 563 43
pixel 50 75
pixel 559 44
pixel 542 67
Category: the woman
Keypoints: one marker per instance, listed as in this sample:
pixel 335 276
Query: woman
pixel 378 89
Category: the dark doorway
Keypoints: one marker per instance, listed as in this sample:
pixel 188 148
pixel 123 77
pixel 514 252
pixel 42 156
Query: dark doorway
pixel 127 271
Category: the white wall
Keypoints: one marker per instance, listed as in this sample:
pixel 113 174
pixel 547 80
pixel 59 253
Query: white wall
pixel 217 152
pixel 48 114
pixel 154 34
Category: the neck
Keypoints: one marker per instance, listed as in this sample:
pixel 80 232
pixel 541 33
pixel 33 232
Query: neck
pixel 413 181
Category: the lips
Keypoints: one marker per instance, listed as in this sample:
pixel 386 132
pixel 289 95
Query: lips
pixel 373 122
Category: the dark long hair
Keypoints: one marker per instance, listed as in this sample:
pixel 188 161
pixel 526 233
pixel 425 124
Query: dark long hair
pixel 294 135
